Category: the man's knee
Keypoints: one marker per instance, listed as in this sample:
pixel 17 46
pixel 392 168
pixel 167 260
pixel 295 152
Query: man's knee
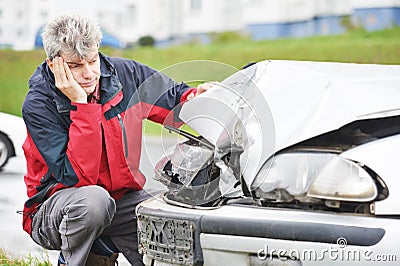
pixel 94 205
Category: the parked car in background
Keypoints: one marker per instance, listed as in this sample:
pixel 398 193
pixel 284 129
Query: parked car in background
pixel 296 163
pixel 12 136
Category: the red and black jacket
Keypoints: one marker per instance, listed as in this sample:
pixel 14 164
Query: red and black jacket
pixel 72 145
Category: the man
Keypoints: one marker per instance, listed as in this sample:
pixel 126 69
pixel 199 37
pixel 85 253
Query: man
pixel 84 114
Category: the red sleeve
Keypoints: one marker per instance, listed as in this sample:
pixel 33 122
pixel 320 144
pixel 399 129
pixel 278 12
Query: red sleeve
pixel 164 116
pixel 186 94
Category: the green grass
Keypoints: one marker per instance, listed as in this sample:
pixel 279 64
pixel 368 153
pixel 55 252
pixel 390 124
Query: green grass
pixel 381 47
pixel 356 47
pixel 15 70
pixel 7 260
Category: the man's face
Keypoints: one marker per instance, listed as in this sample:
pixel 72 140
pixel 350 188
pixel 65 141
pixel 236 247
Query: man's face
pixel 86 71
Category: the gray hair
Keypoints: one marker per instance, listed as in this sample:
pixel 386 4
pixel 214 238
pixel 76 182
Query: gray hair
pixel 74 35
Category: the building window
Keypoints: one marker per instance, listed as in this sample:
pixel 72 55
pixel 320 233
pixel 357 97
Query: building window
pixel 195 5
pixel 101 17
pixel 131 12
pixel 43 14
pixel 20 14
pixel 118 20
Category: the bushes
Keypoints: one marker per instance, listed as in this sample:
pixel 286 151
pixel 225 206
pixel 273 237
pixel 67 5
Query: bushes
pixel 228 36
pixel 146 41
pixel 350 25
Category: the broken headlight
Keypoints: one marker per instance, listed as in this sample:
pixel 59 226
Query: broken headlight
pixel 190 173
pixel 302 175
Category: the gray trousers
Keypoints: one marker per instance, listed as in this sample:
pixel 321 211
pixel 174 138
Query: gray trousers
pixel 72 218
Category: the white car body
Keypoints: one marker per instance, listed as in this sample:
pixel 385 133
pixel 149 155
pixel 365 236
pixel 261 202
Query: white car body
pixel 282 117
pixel 13 128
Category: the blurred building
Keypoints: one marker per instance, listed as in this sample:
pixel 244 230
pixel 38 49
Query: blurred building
pixel 270 19
pixel 375 15
pixel 175 21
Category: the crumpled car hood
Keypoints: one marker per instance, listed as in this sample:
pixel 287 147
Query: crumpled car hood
pixel 272 105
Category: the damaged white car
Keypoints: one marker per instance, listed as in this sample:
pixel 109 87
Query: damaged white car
pixel 296 164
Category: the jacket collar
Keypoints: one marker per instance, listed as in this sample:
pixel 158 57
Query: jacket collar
pixel 110 85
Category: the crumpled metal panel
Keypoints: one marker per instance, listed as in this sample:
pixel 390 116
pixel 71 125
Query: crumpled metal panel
pixel 272 105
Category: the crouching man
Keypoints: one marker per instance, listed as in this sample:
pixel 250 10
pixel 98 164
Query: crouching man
pixel 83 179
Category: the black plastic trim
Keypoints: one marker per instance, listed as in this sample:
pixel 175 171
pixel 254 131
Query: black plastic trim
pixel 283 230
pixel 292 230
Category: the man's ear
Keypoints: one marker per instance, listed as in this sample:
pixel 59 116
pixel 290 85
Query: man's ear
pixel 50 64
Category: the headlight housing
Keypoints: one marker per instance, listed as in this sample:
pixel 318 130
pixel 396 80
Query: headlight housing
pixel 186 161
pixel 306 175
pixel 190 174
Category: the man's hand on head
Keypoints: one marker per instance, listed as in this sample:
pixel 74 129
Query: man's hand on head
pixel 65 81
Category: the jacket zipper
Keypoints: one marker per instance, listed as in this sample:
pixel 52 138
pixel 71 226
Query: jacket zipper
pixel 124 135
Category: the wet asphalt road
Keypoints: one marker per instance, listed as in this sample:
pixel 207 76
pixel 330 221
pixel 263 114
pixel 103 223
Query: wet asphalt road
pixel 13 195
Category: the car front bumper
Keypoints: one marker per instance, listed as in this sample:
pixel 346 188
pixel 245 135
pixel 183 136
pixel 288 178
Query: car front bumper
pixel 252 235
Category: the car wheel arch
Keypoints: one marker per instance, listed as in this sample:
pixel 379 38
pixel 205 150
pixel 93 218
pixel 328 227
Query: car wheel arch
pixel 8 145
